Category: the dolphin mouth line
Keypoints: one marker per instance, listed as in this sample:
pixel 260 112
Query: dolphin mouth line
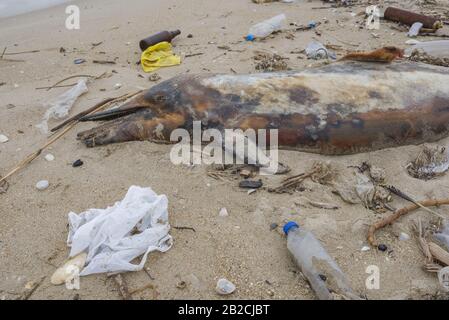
pixel 109 114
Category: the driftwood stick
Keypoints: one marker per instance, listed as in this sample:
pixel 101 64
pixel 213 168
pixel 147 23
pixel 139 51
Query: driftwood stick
pixel 399 213
pixel 122 287
pixel 439 253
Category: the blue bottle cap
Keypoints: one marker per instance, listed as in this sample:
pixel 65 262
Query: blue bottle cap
pixel 289 225
pixel 250 37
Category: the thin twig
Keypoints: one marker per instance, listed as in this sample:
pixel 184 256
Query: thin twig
pixel 399 213
pixel 185 228
pixel 72 77
pixel 401 194
pixel 3 53
pixel 122 287
pixel 22 52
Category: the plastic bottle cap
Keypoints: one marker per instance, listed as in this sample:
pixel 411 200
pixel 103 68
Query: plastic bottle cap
pixel 250 37
pixel 289 225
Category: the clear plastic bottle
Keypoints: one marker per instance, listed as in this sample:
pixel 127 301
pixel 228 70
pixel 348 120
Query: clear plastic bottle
pixel 322 272
pixel 265 28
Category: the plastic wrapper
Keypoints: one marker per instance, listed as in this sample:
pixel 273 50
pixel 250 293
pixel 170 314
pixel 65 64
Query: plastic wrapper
pixel 115 236
pixel 60 108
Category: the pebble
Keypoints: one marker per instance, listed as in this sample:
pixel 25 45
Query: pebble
pixel 117 86
pixel 225 287
pixel 404 237
pixel 251 184
pixel 223 212
pixel 3 138
pixel 77 163
pixel 49 157
pixel 273 226
pixel 42 185
pixel 365 248
pixel 382 247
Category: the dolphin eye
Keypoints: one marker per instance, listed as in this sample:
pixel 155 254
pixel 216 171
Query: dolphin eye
pixel 160 98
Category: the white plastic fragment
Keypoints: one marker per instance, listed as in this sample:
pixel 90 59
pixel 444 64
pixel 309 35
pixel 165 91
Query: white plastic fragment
pixel 3 138
pixel 49 157
pixel 316 50
pixel 365 248
pixel 42 185
pixel 69 270
pixel 60 108
pixel 225 287
pixel 437 48
pixel 414 29
pixel 115 236
pixel 443 236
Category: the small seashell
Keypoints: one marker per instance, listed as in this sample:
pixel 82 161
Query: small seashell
pixel 42 185
pixel 49 157
pixel 3 138
pixel 225 287
pixel 403 236
pixel 365 248
pixel 223 212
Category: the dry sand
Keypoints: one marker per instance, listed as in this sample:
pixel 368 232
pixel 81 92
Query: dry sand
pixel 240 247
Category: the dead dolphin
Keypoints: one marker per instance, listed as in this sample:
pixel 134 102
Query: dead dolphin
pixel 341 108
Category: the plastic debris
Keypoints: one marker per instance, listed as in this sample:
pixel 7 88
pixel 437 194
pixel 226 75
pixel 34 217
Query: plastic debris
pixel 225 287
pixel 414 29
pixel 49 157
pixel 61 107
pixel 3 138
pixel 115 236
pixel 265 28
pixel 316 50
pixel 373 20
pixel 158 56
pixel 315 262
pixel 443 278
pixel 42 185
pixel 438 48
pixel 365 249
pixel 443 236
pixel 382 247
pixel 69 270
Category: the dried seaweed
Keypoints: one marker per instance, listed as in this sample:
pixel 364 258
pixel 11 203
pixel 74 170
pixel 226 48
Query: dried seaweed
pixel 430 163
pixel 268 62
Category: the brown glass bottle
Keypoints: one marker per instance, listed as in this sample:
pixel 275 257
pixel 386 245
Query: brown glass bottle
pixel 158 37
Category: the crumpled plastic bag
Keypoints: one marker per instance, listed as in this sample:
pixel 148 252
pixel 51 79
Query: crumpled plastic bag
pixel 159 55
pixel 115 236
pixel 316 50
pixel 60 108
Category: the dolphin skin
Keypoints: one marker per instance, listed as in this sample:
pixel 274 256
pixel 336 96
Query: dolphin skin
pixel 341 108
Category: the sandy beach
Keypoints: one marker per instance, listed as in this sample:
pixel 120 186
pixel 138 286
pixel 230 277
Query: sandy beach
pixel 241 247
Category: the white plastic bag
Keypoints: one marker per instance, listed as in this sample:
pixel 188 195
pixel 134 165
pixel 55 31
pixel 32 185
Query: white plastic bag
pixel 60 108
pixel 115 236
